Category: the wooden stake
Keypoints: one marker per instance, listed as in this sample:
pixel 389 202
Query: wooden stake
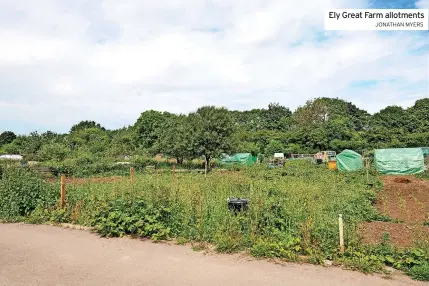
pixel 340 223
pixel 205 166
pixel 367 174
pixel 132 175
pixel 365 161
pixel 174 169
pixel 63 191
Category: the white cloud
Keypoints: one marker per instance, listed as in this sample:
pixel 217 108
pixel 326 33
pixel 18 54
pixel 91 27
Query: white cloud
pixel 61 62
pixel 422 4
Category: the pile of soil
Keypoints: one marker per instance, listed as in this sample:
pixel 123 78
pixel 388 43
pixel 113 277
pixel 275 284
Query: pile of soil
pixel 405 200
pixel 401 180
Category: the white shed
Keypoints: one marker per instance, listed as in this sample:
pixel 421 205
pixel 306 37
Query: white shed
pixel 279 155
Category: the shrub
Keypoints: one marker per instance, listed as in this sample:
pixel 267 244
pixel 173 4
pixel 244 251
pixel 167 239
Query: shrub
pixel 420 272
pixel 22 190
pixel 132 217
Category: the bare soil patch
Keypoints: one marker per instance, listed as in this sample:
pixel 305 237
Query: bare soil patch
pixel 400 234
pixel 405 199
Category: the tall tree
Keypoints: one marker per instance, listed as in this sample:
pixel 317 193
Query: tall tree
pixel 149 127
pixel 274 147
pixel 175 138
pixel 86 124
pixel 419 116
pixel 276 116
pixel 7 137
pixel 388 127
pixel 212 130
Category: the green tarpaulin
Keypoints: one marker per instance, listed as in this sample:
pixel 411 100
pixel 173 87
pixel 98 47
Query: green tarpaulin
pixel 349 160
pixel 401 161
pixel 239 159
pixel 425 151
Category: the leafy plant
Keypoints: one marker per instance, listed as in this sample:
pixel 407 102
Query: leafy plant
pixel 125 217
pixel 21 191
pixel 420 272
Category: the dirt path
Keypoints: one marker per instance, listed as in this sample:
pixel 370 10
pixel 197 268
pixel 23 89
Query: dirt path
pixel 47 255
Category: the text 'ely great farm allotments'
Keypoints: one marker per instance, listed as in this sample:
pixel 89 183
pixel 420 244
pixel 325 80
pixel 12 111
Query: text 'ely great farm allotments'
pixel 376 19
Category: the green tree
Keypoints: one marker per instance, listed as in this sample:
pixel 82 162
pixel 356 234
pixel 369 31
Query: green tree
pixel 274 147
pixel 419 116
pixel 247 147
pixel 149 127
pixel 53 152
pixel 122 143
pixel 276 117
pixel 175 139
pixel 388 127
pixel 212 130
pixel 93 140
pixel 7 137
pixel 86 124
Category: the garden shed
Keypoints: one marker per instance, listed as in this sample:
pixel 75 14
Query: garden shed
pixel 349 160
pixel 399 161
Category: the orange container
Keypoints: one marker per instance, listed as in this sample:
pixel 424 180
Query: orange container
pixel 332 165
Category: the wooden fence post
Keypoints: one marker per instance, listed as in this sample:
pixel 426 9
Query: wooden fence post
pixel 63 191
pixel 132 175
pixel 174 169
pixel 205 166
pixel 341 227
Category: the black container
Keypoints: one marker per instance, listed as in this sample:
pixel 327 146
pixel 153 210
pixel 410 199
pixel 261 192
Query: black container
pixel 237 205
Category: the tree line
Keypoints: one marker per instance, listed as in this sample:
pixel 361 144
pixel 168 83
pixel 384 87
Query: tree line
pixel 320 124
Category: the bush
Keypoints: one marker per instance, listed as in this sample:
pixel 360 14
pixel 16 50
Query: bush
pixel 22 190
pixel 420 272
pixel 132 217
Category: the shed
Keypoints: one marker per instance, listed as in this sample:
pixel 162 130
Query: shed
pixel 399 161
pixel 349 160
pixel 279 155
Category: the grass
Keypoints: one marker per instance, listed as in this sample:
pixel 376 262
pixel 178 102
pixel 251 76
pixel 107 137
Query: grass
pixel 300 201
pixel 293 211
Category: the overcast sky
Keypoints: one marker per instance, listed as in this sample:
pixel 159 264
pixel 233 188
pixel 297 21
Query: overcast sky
pixel 108 61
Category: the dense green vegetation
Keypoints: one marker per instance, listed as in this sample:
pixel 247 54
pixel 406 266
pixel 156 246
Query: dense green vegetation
pixel 293 211
pixel 322 124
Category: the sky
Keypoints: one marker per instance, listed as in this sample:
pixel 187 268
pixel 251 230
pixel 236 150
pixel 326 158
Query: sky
pixel 63 61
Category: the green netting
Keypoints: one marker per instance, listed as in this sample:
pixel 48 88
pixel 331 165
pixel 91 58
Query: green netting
pixel 349 160
pixel 239 159
pixel 425 151
pixel 401 161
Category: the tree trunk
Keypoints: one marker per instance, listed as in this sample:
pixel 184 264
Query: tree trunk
pixel 207 162
pixel 179 160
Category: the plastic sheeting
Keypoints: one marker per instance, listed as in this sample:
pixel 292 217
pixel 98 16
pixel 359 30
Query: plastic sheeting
pixel 349 160
pixel 239 159
pixel 401 161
